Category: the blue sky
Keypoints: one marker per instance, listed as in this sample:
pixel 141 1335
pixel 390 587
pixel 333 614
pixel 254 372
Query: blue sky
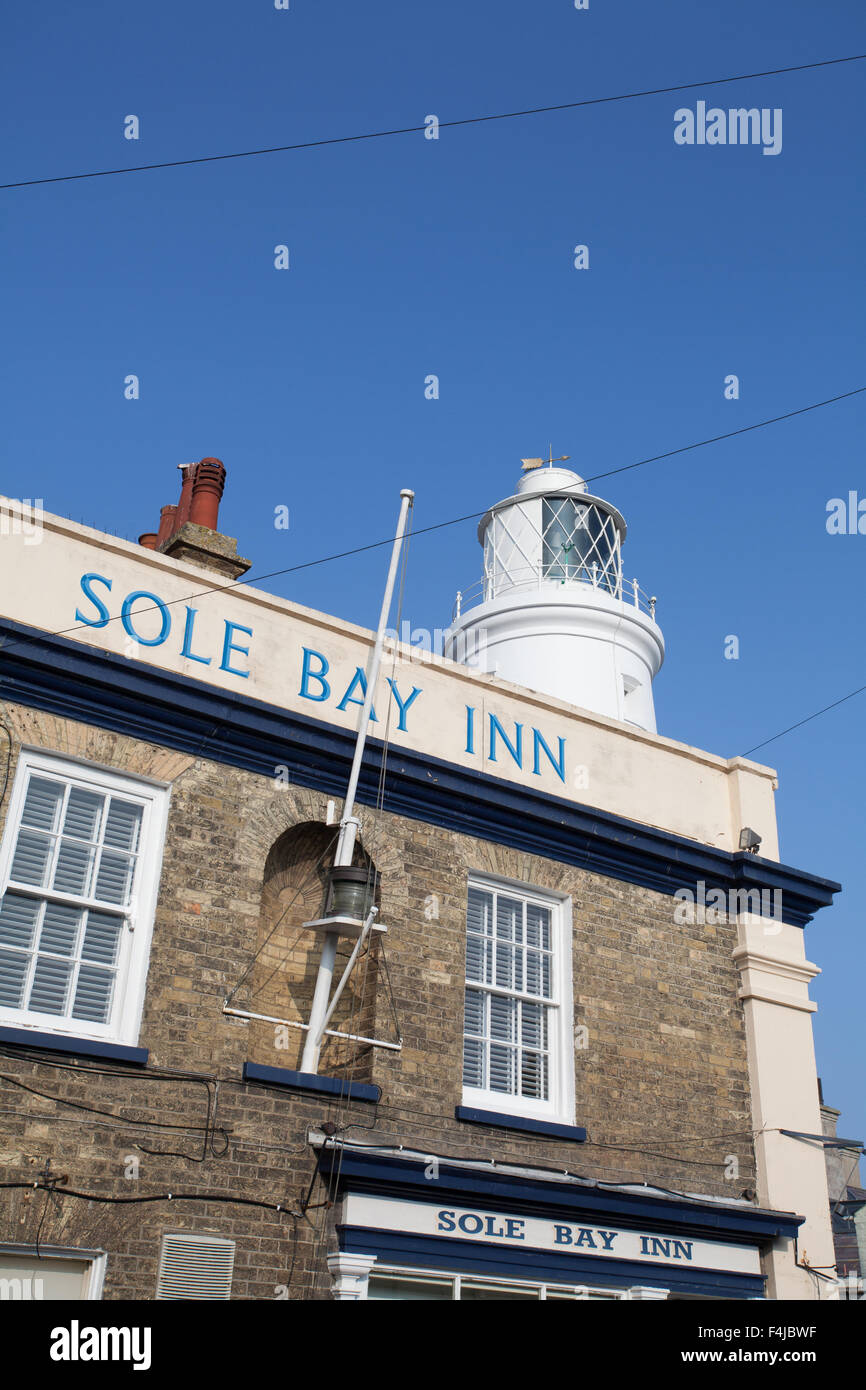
pixel 411 257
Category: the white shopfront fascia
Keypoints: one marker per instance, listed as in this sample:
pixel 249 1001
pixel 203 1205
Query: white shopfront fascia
pixel 602 1241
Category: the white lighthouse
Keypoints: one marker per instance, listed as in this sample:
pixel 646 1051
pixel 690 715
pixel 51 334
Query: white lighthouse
pixel 552 610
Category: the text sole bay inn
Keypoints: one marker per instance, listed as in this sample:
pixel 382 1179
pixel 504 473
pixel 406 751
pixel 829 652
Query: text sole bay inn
pixel 152 623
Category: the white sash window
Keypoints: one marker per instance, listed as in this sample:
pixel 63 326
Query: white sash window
pixel 517 1030
pixel 80 864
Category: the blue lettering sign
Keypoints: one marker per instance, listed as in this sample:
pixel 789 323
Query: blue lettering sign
pixel 558 764
pixel 126 618
pixel 360 680
pixel 130 621
pixel 515 748
pixel 87 581
pixel 666 1248
pixel 186 649
pixel 473 1223
pixel 229 647
pixel 308 674
pixel 403 705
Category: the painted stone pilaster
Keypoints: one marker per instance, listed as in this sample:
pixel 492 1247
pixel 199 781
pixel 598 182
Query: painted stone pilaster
pixel 791 1174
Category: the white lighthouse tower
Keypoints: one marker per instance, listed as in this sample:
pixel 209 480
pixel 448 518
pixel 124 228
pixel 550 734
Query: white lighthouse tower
pixel 552 610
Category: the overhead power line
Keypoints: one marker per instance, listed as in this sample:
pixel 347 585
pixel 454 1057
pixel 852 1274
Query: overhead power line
pixel 800 722
pixel 443 125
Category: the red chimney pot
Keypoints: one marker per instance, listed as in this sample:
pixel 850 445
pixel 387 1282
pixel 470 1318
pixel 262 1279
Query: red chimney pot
pixel 207 489
pixel 166 523
pixel 187 478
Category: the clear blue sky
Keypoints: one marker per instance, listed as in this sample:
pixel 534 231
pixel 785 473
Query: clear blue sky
pixel 454 257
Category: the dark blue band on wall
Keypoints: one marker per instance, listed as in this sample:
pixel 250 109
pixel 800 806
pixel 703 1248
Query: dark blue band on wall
pixel 526 1126
pixel 404 1176
pixel 311 1081
pixel 76 682
pixel 78 1047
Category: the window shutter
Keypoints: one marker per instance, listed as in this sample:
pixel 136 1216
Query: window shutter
pixel 194 1266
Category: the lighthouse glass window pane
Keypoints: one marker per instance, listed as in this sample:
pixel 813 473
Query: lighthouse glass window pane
pixel 70 870
pixel 509 998
pixel 579 542
pixel 558 521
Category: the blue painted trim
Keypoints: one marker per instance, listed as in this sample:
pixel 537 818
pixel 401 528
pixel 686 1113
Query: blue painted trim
pixel 77 682
pixel 309 1081
pixel 526 1126
pixel 388 1175
pixel 81 1047
pixel 471 1257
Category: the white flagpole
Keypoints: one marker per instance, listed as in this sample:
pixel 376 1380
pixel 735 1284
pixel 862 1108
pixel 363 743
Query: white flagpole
pixel 350 825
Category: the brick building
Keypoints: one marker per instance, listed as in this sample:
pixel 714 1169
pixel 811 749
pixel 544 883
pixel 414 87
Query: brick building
pixel 847 1200
pixel 563 1070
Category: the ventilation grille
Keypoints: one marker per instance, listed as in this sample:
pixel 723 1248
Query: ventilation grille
pixel 195 1267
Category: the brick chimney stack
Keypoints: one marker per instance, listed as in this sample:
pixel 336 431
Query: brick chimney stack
pixel 188 531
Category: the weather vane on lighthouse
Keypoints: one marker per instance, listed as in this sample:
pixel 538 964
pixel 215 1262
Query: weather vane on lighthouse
pixel 529 464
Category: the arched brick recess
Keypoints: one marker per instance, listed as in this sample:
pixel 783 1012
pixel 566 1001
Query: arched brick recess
pixel 294 891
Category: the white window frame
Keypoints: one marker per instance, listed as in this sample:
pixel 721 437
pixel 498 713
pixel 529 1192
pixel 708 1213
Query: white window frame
pixel 96 1259
pixel 543 1289
pixel 559 1107
pixel 134 955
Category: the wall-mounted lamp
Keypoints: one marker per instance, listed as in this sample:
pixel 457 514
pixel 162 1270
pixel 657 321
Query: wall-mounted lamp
pixel 353 891
pixel 749 840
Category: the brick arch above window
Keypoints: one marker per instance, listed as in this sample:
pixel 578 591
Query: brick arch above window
pixel 68 738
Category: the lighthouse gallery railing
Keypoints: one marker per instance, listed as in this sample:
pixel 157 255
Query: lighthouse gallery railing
pixel 554 575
